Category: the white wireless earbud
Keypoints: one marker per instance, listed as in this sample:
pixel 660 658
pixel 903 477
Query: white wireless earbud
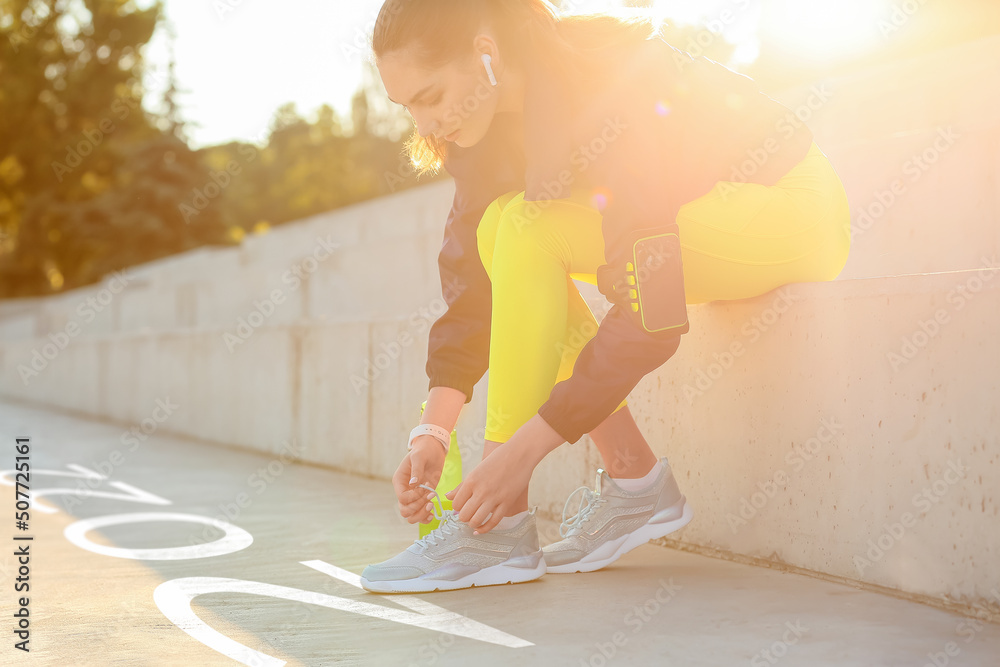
pixel 489 70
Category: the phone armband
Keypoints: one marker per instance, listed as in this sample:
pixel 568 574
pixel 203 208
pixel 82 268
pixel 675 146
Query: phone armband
pixel 655 282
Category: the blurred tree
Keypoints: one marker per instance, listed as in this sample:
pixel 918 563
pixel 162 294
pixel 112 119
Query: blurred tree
pixel 309 167
pixel 88 182
pixel 172 120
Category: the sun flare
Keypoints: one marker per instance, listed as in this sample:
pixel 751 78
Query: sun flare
pixel 824 29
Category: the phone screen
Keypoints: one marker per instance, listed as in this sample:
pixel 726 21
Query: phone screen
pixel 660 282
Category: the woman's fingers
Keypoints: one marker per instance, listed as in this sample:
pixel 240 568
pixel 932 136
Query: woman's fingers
pixel 460 497
pixel 419 514
pixel 414 495
pixel 498 514
pixel 420 517
pixel 418 507
pixel 400 477
pixel 480 517
pixel 415 505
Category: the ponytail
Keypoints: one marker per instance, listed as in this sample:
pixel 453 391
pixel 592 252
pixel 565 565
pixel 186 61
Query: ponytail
pixel 530 33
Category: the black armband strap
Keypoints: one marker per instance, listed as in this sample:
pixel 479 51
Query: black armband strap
pixel 649 284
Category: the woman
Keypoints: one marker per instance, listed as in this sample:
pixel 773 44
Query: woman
pixel 581 147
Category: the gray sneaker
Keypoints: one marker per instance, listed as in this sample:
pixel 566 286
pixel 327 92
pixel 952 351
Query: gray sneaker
pixel 451 557
pixel 612 521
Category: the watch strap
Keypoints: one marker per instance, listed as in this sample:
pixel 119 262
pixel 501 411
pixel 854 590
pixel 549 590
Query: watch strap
pixel 443 436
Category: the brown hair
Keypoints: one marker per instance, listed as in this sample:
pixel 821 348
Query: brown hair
pixel 528 31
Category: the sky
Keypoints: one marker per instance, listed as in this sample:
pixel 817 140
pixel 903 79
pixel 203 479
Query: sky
pixel 237 61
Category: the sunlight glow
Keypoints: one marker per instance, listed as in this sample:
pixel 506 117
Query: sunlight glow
pixel 231 86
pixel 735 20
pixel 823 30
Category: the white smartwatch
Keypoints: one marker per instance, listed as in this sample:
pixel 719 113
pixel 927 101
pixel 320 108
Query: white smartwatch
pixel 443 436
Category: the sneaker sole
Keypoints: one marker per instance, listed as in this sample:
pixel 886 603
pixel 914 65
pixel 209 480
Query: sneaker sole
pixel 511 571
pixel 599 558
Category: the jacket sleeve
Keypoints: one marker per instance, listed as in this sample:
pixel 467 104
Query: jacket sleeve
pixel 608 368
pixel 611 363
pixel 634 168
pixel 707 117
pixel 459 340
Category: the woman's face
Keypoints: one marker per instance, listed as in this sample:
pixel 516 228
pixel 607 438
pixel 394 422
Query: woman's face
pixel 457 98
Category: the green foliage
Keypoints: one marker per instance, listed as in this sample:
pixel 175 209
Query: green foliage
pixel 307 167
pixel 90 182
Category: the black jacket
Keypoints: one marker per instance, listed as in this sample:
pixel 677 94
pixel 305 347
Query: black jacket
pixel 659 134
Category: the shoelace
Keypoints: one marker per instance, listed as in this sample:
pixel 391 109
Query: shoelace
pixel 589 502
pixel 447 522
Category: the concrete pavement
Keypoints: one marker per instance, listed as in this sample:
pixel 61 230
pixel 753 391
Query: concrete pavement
pixel 198 554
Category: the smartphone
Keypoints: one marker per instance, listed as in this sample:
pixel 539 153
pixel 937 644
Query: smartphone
pixel 655 281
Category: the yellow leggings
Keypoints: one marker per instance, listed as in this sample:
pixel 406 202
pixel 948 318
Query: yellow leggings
pixel 738 241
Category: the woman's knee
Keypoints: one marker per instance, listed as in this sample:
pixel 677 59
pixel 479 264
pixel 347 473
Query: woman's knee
pixel 527 225
pixel 487 230
pixel 518 214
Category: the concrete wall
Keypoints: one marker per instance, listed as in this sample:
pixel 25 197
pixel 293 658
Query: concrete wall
pixel 917 145
pixel 899 355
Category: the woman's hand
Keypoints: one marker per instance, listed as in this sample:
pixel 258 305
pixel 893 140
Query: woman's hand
pixel 500 479
pixel 423 464
pixel 493 486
